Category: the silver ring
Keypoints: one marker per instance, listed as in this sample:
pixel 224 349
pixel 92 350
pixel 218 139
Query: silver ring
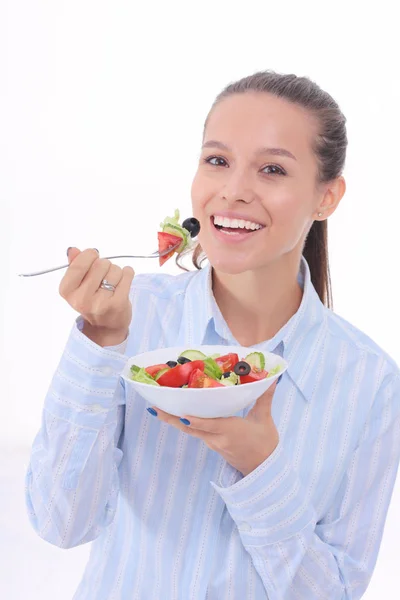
pixel 106 285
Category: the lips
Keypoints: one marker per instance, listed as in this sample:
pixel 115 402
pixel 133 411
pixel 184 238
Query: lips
pixel 232 236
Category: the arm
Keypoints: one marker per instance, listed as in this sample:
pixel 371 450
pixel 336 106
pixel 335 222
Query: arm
pixel 332 559
pixel 72 480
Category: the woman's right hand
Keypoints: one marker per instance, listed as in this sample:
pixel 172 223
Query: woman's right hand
pixel 107 315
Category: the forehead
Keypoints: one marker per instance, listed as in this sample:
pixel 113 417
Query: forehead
pixel 249 120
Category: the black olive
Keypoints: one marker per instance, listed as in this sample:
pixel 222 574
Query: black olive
pixel 242 368
pixel 192 225
pixel 227 374
pixel 172 363
pixel 182 360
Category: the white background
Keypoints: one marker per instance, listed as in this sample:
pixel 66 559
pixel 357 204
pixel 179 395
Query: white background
pixel 102 108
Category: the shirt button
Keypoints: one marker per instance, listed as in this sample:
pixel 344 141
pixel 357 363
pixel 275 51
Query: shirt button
pixel 245 527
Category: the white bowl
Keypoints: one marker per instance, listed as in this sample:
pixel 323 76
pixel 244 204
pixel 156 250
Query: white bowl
pixel 201 402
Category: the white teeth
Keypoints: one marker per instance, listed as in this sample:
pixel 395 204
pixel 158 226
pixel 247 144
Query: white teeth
pixel 236 223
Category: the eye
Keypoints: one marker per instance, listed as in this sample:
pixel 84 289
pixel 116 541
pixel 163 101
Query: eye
pixel 216 161
pixel 275 170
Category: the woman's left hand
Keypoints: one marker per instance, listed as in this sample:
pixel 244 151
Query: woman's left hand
pixel 245 443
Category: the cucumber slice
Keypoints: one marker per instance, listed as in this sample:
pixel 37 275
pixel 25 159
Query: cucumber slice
pixel 256 360
pixel 215 355
pixel 171 220
pixel 179 232
pixel 175 230
pixel 193 355
pixel 233 379
pixel 161 372
pixel 171 225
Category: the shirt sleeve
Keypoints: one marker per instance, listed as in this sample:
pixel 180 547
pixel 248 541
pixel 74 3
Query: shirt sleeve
pixel 72 482
pixel 120 348
pixel 298 556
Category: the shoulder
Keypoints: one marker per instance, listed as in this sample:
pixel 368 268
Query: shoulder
pixel 358 342
pixel 352 367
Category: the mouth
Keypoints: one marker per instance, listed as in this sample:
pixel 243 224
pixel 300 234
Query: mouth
pixel 235 229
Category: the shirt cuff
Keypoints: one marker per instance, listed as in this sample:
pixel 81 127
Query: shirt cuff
pixel 270 504
pixel 120 348
pixel 86 386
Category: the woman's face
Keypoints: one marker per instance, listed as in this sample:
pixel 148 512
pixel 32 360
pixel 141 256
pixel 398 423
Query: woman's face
pixel 256 165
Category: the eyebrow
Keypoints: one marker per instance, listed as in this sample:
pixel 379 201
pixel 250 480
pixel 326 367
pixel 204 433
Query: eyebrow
pixel 273 151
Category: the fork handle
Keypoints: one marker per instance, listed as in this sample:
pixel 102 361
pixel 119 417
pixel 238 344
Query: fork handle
pixel 42 272
pixel 66 266
pixel 154 255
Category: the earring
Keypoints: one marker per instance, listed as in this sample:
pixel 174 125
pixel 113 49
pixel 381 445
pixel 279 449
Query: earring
pixel 320 214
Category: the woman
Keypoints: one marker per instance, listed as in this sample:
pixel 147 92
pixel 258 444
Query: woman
pixel 287 500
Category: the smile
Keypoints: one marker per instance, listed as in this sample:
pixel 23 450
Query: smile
pixel 235 225
pixel 234 229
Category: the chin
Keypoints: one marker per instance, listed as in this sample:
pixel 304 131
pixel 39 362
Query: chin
pixel 233 258
pixel 232 265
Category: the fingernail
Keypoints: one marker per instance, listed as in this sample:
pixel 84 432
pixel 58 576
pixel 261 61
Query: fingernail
pixel 152 412
pixel 279 378
pixel 68 250
pixel 97 251
pixel 185 421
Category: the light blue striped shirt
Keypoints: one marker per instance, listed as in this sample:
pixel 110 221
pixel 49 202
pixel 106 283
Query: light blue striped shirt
pixel 169 518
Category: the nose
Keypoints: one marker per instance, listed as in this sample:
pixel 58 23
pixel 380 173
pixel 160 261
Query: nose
pixel 237 188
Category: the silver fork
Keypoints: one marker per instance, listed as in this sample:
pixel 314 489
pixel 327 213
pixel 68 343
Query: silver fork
pixel 154 255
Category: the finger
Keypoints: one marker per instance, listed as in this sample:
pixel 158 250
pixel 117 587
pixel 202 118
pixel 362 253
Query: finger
pixel 112 275
pixel 77 270
pixel 215 426
pixel 72 253
pixel 124 285
pixel 177 423
pixel 93 278
pixel 262 408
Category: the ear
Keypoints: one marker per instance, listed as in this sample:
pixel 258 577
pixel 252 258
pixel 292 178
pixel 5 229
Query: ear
pixel 334 192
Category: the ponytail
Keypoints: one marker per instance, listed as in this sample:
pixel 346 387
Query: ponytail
pixel 315 252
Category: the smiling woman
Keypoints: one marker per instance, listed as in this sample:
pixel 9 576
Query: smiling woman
pixel 293 110
pixel 287 498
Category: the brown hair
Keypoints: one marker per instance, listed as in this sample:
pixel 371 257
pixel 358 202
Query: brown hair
pixel 329 148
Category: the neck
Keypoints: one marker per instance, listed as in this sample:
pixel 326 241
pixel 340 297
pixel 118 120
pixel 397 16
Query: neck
pixel 257 304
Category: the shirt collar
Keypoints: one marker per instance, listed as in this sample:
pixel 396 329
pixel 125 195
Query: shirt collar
pixel 301 335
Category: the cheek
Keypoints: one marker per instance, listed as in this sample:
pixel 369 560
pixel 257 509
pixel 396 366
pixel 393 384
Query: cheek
pixel 290 220
pixel 195 192
pixel 200 193
pixel 288 208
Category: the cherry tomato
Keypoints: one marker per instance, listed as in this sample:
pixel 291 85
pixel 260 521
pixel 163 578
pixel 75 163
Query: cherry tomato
pixel 165 241
pixel 154 369
pixel 227 362
pixel 198 379
pixel 253 376
pixel 179 375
